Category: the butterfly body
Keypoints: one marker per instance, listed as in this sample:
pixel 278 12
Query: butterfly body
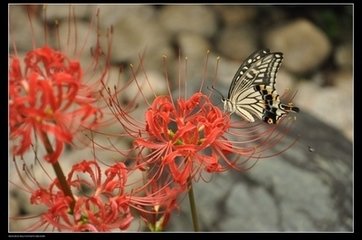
pixel 252 91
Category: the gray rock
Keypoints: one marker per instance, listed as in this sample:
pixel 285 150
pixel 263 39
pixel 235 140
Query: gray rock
pixel 226 71
pixel 291 201
pixel 285 82
pixel 189 18
pixel 304 46
pixel 61 11
pixel 21 32
pixel 76 44
pixel 152 83
pixel 14 208
pixel 111 14
pixel 344 56
pixel 136 32
pixel 20 225
pixel 193 50
pixel 236 15
pixel 193 45
pixel 237 43
pixel 245 217
pixel 333 105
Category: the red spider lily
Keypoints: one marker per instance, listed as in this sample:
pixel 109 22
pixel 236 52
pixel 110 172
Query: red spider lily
pixel 97 206
pixel 157 216
pixel 100 205
pixel 49 96
pixel 185 137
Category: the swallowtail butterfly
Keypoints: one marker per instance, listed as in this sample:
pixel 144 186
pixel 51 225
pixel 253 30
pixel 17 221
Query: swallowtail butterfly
pixel 252 91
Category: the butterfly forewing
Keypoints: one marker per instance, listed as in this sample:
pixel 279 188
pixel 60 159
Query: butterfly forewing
pixel 259 68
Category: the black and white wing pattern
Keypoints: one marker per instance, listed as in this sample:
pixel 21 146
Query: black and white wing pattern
pixel 252 91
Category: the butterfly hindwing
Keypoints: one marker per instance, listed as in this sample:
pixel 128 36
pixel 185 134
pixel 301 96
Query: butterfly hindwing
pixel 259 68
pixel 273 109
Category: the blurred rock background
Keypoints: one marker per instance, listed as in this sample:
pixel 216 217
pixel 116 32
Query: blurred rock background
pixel 299 190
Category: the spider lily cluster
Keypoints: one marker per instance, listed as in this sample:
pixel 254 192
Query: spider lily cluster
pixel 180 140
pixel 48 97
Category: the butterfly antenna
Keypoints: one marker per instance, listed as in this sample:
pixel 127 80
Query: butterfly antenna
pixel 212 88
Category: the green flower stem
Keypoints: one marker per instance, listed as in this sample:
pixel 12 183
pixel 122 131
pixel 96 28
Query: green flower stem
pixel 59 172
pixel 195 220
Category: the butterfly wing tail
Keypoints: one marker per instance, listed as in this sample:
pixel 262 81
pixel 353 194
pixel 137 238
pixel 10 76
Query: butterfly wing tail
pixel 289 108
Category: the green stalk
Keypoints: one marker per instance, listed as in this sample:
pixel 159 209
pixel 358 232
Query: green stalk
pixel 59 172
pixel 195 220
